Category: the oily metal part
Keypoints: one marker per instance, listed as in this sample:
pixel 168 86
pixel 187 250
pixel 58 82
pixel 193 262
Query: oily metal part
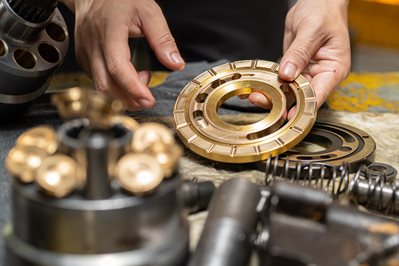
pixel 29 54
pixel 204 132
pixel 340 144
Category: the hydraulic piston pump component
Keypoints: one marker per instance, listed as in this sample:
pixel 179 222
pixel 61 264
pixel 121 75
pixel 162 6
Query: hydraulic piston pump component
pixel 291 225
pixel 332 144
pixel 301 226
pixel 83 196
pixel 204 132
pixel 373 190
pixel 341 143
pixel 33 43
pixel 229 231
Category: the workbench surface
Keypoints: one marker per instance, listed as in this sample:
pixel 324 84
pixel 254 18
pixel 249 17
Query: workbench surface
pixel 382 126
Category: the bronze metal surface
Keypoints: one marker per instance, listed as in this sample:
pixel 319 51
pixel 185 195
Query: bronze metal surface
pixel 204 132
pixel 139 173
pixel 167 156
pixel 58 175
pixel 23 162
pixel 42 137
pixel 149 133
pixel 78 102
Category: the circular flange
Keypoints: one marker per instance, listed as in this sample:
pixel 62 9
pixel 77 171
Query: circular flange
pixel 337 143
pixel 204 132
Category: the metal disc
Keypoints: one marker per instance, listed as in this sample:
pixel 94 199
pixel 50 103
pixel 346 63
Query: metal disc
pixel 204 132
pixel 337 144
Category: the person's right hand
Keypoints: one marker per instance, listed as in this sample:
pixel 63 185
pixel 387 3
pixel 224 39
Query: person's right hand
pixel 103 28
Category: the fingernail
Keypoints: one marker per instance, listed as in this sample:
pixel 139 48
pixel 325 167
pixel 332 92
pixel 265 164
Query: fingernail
pixel 176 58
pixel 289 70
pixel 145 103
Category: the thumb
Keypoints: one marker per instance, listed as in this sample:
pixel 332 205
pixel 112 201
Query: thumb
pixel 298 55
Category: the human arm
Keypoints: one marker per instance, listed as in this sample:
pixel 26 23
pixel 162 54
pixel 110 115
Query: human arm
pixel 102 31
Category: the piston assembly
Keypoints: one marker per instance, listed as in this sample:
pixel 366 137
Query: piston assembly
pixel 204 132
pixel 33 43
pixel 101 190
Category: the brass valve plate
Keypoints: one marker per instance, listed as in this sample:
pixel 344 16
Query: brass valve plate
pixel 204 132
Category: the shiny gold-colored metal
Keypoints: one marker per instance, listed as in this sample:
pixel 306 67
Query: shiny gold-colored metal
pixel 204 132
pixel 139 173
pixel 23 162
pixel 149 133
pixel 101 109
pixel 42 137
pixel 71 103
pixel 126 121
pixel 167 156
pixel 78 102
pixel 58 175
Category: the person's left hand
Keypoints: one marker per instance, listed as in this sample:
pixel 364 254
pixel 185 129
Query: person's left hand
pixel 316 44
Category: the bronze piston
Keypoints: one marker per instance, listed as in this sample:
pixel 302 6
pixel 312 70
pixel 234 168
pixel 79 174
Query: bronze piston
pixel 204 132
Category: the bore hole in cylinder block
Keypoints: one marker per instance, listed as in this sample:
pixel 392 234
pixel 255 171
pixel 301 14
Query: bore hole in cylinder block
pixel 56 32
pixel 24 59
pixel 49 53
pixel 3 48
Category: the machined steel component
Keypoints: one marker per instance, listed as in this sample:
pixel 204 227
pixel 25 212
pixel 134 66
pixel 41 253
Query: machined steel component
pixel 376 170
pixel 92 211
pixel 33 43
pixel 303 227
pixel 375 191
pixel 123 230
pixel 197 195
pixel 333 144
pixel 228 234
pixel 204 132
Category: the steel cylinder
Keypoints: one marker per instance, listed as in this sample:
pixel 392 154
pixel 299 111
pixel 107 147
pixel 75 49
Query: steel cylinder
pixel 74 231
pixel 29 54
pixel 227 238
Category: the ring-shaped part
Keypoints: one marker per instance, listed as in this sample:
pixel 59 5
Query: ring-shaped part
pixel 201 129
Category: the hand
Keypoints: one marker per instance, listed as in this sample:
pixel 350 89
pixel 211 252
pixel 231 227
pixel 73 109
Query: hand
pixel 316 44
pixel 103 28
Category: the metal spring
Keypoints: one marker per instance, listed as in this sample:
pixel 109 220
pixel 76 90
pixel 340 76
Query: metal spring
pixel 374 192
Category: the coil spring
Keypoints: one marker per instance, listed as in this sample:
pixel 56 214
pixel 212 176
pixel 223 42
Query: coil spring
pixel 375 192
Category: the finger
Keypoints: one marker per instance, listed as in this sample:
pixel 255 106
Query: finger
pixel 160 39
pixel 145 76
pixel 117 57
pixel 323 84
pixel 105 84
pixel 260 100
pixel 299 54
